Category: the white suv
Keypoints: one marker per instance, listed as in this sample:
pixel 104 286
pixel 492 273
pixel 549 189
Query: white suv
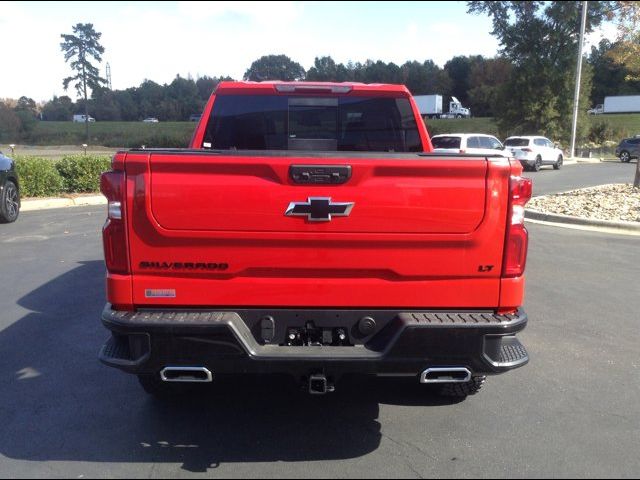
pixel 477 143
pixel 534 152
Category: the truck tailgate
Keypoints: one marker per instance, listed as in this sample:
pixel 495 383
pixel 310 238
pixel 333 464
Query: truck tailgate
pixel 210 230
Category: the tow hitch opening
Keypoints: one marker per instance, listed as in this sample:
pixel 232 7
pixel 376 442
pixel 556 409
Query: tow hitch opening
pixel 319 385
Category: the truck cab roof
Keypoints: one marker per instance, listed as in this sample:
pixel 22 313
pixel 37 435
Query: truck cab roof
pixel 275 87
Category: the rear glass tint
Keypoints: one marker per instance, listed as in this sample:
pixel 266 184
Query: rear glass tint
pixel 281 122
pixel 517 142
pixel 446 142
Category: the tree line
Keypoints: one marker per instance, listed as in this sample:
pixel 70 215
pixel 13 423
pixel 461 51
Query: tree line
pixel 475 80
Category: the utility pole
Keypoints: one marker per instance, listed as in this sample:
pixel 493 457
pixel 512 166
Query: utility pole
pixel 108 75
pixel 576 96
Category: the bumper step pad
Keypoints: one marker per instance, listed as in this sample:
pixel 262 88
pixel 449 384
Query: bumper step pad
pixel 512 353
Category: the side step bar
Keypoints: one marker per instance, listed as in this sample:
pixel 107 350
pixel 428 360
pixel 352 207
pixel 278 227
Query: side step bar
pixel 186 374
pixel 445 375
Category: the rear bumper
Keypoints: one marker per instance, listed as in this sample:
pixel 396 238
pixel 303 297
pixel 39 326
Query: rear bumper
pixel 233 342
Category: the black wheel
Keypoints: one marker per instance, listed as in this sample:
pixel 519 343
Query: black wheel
pixel 537 164
pixel 625 157
pixel 458 116
pixel 558 164
pixel 461 390
pixel 9 203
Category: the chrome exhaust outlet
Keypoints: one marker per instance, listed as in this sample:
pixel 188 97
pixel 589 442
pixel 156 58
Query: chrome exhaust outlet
pixel 446 375
pixel 186 374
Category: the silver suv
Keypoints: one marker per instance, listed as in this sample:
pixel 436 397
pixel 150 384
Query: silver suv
pixel 628 148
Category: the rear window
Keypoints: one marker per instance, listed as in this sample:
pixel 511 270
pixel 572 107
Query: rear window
pixel 517 142
pixel 446 142
pixel 281 122
pixel 473 142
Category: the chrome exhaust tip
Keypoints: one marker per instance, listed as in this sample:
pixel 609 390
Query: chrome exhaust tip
pixel 186 374
pixel 446 375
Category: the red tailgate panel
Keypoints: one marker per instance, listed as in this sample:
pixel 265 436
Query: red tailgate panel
pixel 218 193
pixel 423 233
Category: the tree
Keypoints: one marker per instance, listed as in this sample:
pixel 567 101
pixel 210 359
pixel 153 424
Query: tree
pixel 26 104
pixel 325 69
pixel 58 109
pixel 425 78
pixel 10 124
pixel 609 77
pixel 627 49
pixel 80 47
pixel 541 39
pixel 486 79
pixel 275 67
pixel 459 70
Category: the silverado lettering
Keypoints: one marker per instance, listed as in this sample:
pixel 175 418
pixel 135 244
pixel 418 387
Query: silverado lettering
pixel 355 248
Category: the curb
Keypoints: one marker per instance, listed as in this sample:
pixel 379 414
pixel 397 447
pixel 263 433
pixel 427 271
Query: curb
pixel 556 219
pixel 30 205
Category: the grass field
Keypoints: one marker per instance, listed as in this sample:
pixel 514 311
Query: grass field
pixel 178 134
pixel 113 134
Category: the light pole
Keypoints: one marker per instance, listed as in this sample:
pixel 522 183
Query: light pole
pixel 576 96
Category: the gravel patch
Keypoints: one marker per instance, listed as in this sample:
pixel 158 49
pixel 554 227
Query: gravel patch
pixel 618 202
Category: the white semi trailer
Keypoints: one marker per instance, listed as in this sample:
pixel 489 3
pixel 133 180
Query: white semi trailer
pixel 430 106
pixel 618 104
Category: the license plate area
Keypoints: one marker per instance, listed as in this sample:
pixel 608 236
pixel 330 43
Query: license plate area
pixel 311 335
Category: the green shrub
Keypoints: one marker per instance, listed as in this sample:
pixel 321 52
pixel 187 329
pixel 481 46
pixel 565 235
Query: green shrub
pixel 600 132
pixel 38 177
pixel 81 174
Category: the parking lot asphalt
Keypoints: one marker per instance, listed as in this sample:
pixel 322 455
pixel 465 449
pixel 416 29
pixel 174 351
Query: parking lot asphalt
pixel 548 180
pixel 572 412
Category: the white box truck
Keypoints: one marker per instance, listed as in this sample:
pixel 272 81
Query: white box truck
pixel 430 106
pixel 617 104
pixel 82 119
pixel 622 104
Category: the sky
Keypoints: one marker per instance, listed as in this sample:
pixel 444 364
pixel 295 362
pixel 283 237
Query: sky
pixel 158 40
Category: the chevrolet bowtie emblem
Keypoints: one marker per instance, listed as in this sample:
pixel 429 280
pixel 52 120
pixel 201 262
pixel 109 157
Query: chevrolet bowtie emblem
pixel 319 209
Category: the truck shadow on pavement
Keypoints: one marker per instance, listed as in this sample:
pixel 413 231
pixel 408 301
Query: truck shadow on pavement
pixel 58 403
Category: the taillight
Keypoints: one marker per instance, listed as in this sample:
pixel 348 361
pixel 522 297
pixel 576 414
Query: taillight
pixel 526 150
pixel 515 252
pixel 114 232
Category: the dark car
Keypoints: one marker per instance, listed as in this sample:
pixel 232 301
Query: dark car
pixel 195 117
pixel 9 190
pixel 628 148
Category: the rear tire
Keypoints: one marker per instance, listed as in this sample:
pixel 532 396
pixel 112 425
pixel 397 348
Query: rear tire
pixel 9 203
pixel 558 164
pixel 537 164
pixel 625 157
pixel 461 390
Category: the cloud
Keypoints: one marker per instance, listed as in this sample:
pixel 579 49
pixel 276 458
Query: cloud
pixel 265 13
pixel 608 31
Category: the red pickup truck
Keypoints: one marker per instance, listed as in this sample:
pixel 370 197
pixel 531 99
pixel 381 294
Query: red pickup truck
pixel 308 230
